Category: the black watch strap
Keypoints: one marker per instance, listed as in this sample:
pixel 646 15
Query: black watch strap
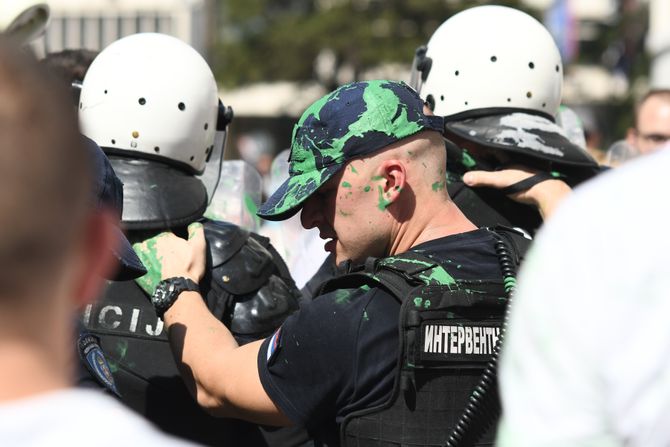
pixel 168 290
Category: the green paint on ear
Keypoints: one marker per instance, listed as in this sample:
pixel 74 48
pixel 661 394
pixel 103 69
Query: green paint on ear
pixel 438 186
pixel 383 202
pixel 367 188
pixel 346 185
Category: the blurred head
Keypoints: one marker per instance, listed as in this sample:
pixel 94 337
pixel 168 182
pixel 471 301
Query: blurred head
pixel 356 154
pixel 652 122
pixel 55 247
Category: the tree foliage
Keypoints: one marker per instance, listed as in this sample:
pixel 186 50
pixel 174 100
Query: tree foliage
pixel 271 40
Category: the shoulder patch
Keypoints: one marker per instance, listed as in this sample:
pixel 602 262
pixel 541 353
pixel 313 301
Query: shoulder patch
pixel 96 362
pixel 273 347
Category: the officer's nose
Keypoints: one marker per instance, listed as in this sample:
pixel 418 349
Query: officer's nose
pixel 310 214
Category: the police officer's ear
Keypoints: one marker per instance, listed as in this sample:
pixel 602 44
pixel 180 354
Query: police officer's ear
pixel 94 260
pixel 392 178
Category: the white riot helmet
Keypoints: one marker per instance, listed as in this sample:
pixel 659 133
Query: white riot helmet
pixel 495 74
pixel 492 56
pixel 151 102
pixel 154 95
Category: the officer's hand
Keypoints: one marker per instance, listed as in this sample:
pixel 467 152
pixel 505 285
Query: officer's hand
pixel 545 195
pixel 167 255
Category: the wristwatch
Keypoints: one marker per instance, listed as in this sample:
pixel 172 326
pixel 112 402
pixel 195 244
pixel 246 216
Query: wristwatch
pixel 168 290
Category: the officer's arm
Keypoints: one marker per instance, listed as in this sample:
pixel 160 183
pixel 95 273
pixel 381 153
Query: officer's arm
pixel 221 375
pixel 546 195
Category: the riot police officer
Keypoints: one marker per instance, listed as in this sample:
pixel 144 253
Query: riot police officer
pixel 495 74
pixel 151 102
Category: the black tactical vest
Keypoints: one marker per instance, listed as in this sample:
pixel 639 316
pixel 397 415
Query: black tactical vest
pixel 449 331
pixel 247 286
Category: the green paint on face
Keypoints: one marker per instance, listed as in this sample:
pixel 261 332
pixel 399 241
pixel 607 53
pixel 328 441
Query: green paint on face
pixel 424 165
pixel 383 202
pixel 342 213
pixel 346 185
pixel 437 186
pixel 410 153
pixel 418 301
pixel 353 169
pixel 377 177
pixel 467 160
pixel 367 188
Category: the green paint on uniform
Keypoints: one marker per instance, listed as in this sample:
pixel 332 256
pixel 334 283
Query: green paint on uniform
pixel 426 304
pixel 367 188
pixel 346 185
pixel 438 186
pixel 467 160
pixel 418 301
pixel 383 202
pixel 147 253
pixel 122 349
pixel 364 287
pixel 342 296
pixel 365 316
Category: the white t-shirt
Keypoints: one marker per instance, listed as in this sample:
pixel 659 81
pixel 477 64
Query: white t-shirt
pixel 76 417
pixel 586 361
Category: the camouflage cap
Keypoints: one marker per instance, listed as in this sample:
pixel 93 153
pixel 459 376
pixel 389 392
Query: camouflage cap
pixel 355 120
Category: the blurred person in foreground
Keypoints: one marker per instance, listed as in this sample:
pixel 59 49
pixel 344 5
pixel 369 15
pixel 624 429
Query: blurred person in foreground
pixel 586 361
pixel 55 249
pixel 367 170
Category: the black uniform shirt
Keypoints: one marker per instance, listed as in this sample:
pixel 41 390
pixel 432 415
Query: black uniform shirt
pixel 338 353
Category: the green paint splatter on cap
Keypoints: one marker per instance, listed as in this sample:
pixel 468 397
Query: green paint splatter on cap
pixel 438 186
pixel 383 202
pixel 346 185
pixel 367 188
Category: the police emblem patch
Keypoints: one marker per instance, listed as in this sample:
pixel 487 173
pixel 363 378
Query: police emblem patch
pixel 95 361
pixel 274 346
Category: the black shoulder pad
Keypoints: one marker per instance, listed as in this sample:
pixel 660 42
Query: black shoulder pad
pixel 224 240
pixel 516 239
